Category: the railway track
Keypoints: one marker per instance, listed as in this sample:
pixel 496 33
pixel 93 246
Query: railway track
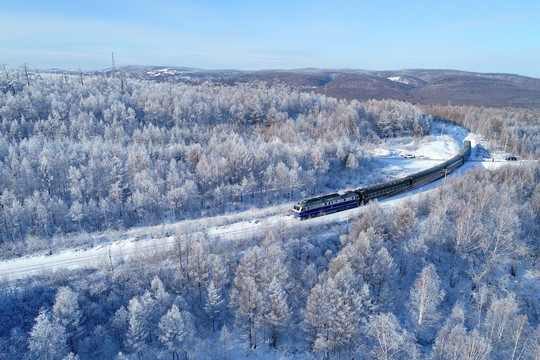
pixel 117 252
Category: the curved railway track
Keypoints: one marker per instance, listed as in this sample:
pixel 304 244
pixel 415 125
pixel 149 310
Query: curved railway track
pixel 117 252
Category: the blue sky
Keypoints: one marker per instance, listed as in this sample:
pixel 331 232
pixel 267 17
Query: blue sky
pixel 484 36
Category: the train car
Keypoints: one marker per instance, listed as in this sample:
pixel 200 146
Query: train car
pixel 466 150
pixel 385 189
pixel 326 204
pixel 452 164
pixel 459 159
pixel 427 175
pixel 443 169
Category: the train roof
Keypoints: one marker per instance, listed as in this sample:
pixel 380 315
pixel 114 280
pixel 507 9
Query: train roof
pixel 384 185
pixel 324 198
pixel 427 171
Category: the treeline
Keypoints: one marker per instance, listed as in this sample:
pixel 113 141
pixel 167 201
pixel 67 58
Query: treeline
pixel 516 131
pixel 85 153
pixel 452 275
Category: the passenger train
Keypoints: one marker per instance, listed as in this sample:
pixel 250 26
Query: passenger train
pixel 328 204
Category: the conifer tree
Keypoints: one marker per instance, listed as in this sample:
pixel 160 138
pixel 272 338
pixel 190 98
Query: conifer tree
pixel 47 338
pixel 277 313
pixel 172 330
pixel 213 303
pixel 66 312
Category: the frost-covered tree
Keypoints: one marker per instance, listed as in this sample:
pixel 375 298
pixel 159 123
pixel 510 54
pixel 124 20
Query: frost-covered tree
pixel 505 329
pixel 213 303
pixel 218 271
pixel 335 311
pixel 450 341
pixel 277 312
pixel 48 339
pixel 247 296
pixel 197 268
pixel 139 333
pixel 383 276
pixel 517 342
pixel 533 346
pixel 388 340
pixel 160 300
pixel 172 330
pixel 315 312
pixel 425 297
pixel 66 312
pixel 120 324
pixel 71 356
pixel 402 225
pixel 248 301
pixel 476 346
pixel 76 213
pixel 480 300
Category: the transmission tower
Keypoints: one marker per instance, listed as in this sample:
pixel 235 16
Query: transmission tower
pixel 112 56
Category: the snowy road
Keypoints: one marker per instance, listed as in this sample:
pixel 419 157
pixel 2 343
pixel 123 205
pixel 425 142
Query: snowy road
pixel 258 223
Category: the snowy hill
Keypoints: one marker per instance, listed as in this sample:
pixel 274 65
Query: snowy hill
pixel 419 86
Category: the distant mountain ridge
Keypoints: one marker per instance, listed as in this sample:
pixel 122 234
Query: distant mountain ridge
pixel 419 86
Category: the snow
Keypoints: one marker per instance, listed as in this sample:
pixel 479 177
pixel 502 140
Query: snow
pixel 444 142
pixel 399 79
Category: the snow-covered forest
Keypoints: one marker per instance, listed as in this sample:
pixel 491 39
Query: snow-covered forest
pixel 515 130
pixel 452 274
pixel 92 153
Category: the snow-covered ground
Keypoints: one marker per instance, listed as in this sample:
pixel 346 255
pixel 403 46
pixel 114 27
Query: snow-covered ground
pixel 445 142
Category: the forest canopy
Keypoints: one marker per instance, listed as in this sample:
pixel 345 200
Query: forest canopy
pixel 90 153
pixel 450 274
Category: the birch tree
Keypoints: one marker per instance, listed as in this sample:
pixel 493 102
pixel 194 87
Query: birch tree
pixel 388 340
pixel 425 297
pixel 450 341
